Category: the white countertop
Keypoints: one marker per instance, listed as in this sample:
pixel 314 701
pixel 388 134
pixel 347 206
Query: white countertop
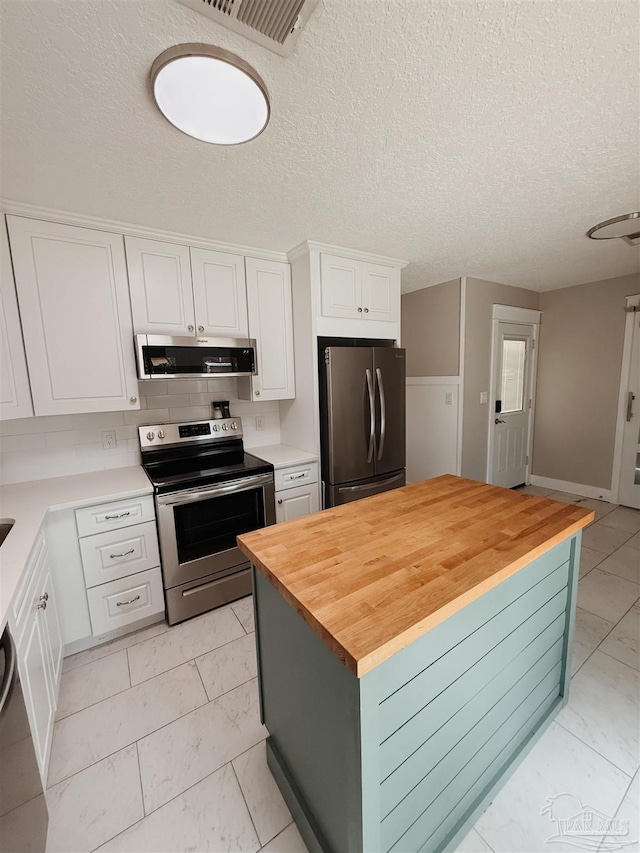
pixel 282 455
pixel 28 504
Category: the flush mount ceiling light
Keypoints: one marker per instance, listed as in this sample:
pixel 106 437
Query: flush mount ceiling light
pixel 627 227
pixel 210 94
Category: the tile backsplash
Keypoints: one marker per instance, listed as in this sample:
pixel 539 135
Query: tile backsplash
pixel 56 445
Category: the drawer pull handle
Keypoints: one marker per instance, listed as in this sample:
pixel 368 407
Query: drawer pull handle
pixel 296 476
pixel 124 603
pixel 124 554
pixel 119 515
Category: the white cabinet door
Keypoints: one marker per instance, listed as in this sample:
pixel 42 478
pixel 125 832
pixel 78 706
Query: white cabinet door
pixel 15 394
pixel 271 324
pixel 33 664
pixel 39 646
pixel 341 289
pixel 160 285
pixel 49 617
pixel 74 302
pixel 219 293
pixel 294 503
pixel 380 292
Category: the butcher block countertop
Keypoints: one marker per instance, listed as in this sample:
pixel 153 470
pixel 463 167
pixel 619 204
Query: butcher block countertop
pixel 372 576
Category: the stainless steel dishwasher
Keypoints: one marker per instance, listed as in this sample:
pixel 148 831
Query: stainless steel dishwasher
pixel 23 808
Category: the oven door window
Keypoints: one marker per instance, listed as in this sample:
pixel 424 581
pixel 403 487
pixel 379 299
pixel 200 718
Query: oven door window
pixel 210 526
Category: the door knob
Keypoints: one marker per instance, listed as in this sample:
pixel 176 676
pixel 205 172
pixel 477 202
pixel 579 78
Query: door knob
pixel 500 421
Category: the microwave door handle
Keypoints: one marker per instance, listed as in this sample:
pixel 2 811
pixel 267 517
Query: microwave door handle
pixel 372 417
pixel 383 413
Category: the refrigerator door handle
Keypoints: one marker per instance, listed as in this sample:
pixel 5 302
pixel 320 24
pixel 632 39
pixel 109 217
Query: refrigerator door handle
pixel 372 421
pixel 383 413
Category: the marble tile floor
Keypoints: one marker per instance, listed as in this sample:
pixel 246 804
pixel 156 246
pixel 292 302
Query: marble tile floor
pixel 158 745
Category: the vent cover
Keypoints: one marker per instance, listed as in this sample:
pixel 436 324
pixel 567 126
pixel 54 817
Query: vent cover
pixel 275 24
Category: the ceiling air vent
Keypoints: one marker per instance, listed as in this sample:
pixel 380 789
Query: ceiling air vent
pixel 275 24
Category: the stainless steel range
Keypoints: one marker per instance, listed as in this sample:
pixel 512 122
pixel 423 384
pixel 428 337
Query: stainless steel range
pixel 207 492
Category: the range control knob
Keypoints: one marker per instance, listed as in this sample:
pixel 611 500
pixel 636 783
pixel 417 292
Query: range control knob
pixel 225 426
pixel 160 433
pixel 216 428
pixel 151 435
pixel 234 425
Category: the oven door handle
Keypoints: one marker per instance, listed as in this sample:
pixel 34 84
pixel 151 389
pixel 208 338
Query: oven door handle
pixel 190 496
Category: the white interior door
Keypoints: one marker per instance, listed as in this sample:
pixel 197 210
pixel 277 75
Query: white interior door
pixel 629 493
pixel 510 426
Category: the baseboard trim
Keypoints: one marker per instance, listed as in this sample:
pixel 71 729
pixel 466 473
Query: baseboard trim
pixel 572 488
pixel 92 642
pixel 309 830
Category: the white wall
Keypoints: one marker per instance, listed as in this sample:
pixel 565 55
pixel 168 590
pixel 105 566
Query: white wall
pixel 54 446
pixel 432 427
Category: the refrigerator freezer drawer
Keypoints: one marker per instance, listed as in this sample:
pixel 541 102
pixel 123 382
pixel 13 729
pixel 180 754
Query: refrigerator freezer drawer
pixel 343 494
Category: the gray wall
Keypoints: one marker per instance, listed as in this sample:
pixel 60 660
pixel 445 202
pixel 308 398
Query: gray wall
pixel 481 295
pixel 579 364
pixel 431 329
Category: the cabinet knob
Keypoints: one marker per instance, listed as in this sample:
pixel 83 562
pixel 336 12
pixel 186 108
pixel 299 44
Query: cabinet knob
pixel 366 310
pixel 360 310
pixel 42 603
pixel 133 400
pixel 190 328
pixel 279 500
pixel 257 393
pixel 201 328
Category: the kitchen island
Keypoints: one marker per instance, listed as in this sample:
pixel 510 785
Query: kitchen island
pixel 411 647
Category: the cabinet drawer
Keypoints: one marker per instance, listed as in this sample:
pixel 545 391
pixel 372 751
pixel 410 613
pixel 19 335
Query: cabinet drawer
pixel 296 475
pixel 95 519
pixel 118 603
pixel 117 553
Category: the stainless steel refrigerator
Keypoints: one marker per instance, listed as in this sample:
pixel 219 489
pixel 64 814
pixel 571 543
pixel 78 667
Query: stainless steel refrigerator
pixel 362 416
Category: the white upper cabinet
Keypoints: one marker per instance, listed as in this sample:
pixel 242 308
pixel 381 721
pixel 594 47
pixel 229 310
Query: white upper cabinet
pixel 15 394
pixel 160 283
pixel 271 324
pixel 74 302
pixel 341 287
pixel 380 292
pixel 219 293
pixel 356 290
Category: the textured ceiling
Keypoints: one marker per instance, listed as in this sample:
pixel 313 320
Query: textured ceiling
pixel 478 138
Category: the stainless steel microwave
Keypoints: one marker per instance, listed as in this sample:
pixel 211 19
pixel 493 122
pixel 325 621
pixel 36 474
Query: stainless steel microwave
pixel 161 357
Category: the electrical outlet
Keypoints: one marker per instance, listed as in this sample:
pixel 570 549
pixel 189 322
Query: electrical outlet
pixel 259 422
pixel 109 439
pixel 448 398
pixel 484 397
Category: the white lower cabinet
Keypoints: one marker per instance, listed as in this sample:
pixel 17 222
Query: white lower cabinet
pixel 118 553
pixel 38 641
pixel 294 503
pixel 121 564
pixel 122 602
pixel 296 491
